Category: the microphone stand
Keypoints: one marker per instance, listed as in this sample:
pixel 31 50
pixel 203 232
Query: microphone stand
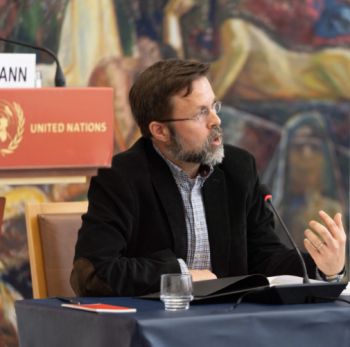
pixel 306 278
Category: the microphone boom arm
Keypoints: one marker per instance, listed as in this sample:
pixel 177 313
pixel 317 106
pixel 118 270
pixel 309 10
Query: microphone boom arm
pixel 305 277
pixel 59 76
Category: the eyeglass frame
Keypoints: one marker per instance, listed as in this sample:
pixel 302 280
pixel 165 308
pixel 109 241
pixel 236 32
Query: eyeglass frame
pixel 197 117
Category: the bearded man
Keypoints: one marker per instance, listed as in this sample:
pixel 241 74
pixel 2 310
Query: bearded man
pixel 180 201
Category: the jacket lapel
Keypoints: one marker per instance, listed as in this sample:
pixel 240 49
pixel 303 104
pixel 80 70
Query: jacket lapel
pixel 216 208
pixel 171 201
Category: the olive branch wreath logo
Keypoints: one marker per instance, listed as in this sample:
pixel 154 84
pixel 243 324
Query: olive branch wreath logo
pixel 10 110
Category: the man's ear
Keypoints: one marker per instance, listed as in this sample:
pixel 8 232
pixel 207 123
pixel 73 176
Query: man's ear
pixel 159 131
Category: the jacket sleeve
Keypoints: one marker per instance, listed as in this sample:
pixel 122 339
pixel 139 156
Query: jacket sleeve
pixel 103 264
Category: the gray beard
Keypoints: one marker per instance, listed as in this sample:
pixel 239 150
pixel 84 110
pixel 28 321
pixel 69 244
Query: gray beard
pixel 207 155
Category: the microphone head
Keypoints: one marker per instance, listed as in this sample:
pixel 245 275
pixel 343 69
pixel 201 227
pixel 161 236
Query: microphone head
pixel 265 191
pixel 60 80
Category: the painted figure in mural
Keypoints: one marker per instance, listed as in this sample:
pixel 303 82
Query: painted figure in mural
pixel 33 22
pixel 89 33
pixel 256 134
pixel 307 177
pixel 250 63
pixel 254 67
pixel 179 200
pixel 140 39
pixel 190 26
pixel 319 22
pixel 119 73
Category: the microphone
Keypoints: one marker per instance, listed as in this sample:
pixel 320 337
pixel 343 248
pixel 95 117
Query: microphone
pixel 60 80
pixel 268 199
pixel 306 293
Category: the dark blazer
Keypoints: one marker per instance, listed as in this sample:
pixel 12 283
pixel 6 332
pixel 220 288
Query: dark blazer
pixel 135 230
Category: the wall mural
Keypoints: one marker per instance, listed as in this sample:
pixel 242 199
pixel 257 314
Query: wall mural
pixel 280 67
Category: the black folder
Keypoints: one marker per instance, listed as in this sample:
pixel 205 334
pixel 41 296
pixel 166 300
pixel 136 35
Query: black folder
pixel 256 288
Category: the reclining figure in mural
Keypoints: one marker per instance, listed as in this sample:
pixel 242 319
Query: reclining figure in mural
pixel 253 66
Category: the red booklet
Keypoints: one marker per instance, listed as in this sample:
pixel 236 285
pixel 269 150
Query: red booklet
pixel 100 308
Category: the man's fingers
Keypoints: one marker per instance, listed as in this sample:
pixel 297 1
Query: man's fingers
pixel 338 220
pixel 334 226
pixel 312 250
pixel 319 233
pixel 316 242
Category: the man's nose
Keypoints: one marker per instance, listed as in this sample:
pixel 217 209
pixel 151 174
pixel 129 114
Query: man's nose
pixel 214 119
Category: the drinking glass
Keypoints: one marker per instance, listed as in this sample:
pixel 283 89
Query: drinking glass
pixel 176 291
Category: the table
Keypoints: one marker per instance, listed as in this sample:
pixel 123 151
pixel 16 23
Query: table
pixel 45 323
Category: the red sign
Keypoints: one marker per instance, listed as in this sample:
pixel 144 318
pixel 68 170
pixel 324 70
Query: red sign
pixel 53 128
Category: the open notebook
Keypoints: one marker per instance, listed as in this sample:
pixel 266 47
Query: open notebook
pixel 258 288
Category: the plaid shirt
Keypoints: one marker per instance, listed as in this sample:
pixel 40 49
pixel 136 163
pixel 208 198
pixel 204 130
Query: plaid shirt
pixel 198 251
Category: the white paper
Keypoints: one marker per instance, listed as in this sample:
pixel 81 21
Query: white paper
pixel 346 291
pixel 17 70
pixel 288 279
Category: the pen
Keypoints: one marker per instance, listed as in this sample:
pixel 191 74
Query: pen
pixel 68 300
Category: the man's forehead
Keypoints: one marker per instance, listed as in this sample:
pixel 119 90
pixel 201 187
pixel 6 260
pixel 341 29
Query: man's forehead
pixel 200 86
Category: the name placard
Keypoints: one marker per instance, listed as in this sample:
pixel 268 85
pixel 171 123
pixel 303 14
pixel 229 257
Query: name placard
pixel 17 70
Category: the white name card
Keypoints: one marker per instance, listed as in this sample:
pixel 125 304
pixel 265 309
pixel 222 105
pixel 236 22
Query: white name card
pixel 17 70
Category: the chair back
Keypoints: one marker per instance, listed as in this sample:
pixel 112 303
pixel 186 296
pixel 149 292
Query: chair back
pixel 52 230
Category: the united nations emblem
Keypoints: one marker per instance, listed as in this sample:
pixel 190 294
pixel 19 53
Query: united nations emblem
pixel 11 126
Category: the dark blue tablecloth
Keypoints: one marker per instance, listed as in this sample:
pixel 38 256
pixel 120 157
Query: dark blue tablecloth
pixel 46 323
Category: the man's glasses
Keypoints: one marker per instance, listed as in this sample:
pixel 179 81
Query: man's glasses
pixel 201 115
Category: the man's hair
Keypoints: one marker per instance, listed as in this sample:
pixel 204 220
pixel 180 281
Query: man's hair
pixel 150 96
